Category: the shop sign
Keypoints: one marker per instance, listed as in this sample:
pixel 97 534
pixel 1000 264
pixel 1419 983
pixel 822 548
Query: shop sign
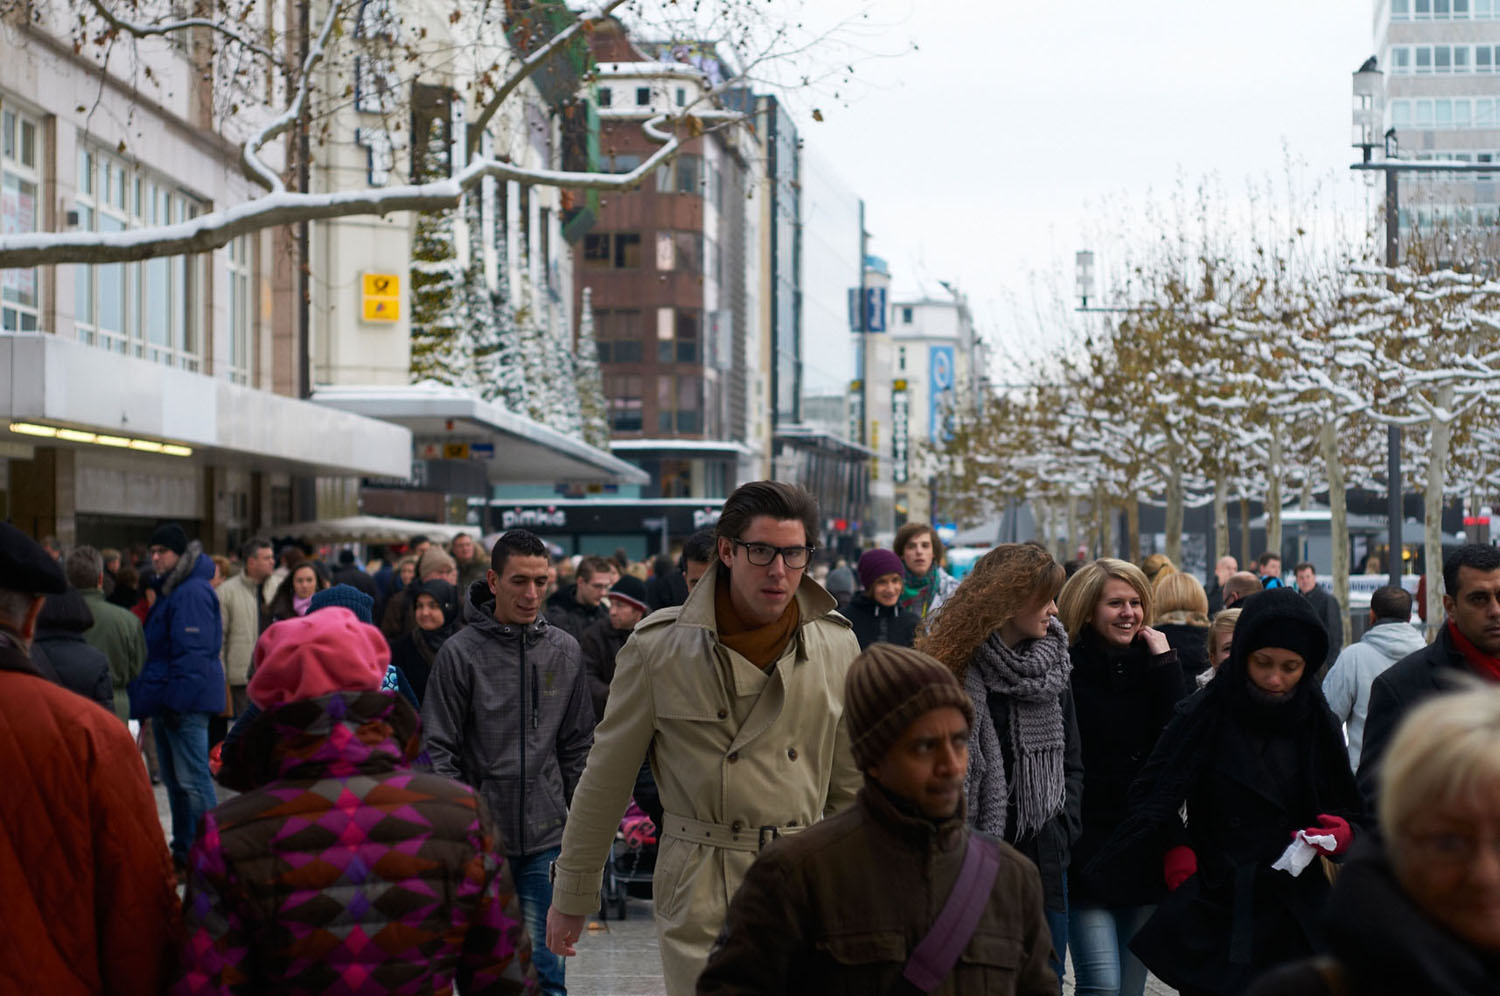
pixel 530 518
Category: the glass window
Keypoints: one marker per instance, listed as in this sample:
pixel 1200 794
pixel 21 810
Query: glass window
pixel 1461 114
pixel 1400 59
pixel 689 174
pixel 1442 113
pixel 1481 8
pixel 19 215
pixel 241 319
pixel 596 249
pixel 627 250
pixel 1482 62
pixel 1400 113
pixel 1484 114
pixel 666 255
pixel 682 96
pixel 689 250
pixel 665 326
pixel 619 163
pixel 1424 58
pixel 1400 10
pixel 1442 59
pixel 642 96
pixel 606 96
pixel 1460 9
pixel 1422 9
pixel 1460 58
pixel 1440 9
pixel 1424 114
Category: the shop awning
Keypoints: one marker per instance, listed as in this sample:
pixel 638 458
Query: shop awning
pixel 514 449
pixel 369 529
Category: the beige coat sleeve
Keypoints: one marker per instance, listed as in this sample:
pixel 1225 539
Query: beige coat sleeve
pixel 620 743
pixel 844 777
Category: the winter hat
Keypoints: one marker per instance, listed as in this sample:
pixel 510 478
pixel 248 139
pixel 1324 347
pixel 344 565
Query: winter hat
pixel 887 689
pixel 876 564
pixel 631 590
pixel 344 596
pixel 310 656
pixel 840 581
pixel 434 561
pixel 441 592
pixel 170 536
pixel 1280 617
pixel 346 557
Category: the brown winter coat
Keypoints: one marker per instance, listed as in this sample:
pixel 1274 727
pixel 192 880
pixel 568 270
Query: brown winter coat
pixel 840 908
pixel 85 877
pixel 730 745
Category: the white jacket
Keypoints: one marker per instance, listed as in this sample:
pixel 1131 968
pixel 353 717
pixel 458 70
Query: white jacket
pixel 1347 684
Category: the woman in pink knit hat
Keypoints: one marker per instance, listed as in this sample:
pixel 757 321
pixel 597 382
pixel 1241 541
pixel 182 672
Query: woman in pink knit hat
pixel 342 865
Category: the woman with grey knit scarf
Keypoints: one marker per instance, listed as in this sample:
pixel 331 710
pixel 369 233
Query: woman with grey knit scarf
pixel 999 633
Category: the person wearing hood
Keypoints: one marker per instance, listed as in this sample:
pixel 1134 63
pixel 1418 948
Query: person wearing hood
pixel 341 866
pixel 1000 635
pixel 1258 758
pixel 1390 638
pixel 841 585
pixel 507 712
pixel 60 634
pixel 1126 681
pixel 1420 913
pixel 181 686
pixel 876 612
pixel 811 919
pixel 399 617
pixel 601 642
pixel 434 611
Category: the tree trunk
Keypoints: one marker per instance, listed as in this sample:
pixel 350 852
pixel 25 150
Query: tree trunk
pixel 1440 436
pixel 1338 521
pixel 1221 516
pixel 1174 509
pixel 1245 557
pixel 1133 529
pixel 1106 513
pixel 1273 492
pixel 1073 534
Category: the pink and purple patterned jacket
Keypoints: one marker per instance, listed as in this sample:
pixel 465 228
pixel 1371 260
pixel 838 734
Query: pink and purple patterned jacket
pixel 345 870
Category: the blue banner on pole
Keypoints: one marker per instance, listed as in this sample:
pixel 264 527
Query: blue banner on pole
pixel 941 375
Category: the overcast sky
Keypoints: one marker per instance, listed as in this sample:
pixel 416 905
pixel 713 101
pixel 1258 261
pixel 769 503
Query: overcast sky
pixel 981 155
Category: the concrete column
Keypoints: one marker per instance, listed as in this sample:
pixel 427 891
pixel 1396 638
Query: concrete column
pixel 43 495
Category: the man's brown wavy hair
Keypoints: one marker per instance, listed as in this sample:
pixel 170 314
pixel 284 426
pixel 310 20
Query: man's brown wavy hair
pixel 1010 578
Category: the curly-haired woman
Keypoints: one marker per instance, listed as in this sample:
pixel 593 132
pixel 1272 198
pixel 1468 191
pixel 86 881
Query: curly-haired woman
pixel 1126 682
pixel 1000 635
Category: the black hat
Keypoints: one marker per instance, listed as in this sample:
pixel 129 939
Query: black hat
pixel 170 536
pixel 632 590
pixel 346 557
pixel 1282 618
pixel 26 567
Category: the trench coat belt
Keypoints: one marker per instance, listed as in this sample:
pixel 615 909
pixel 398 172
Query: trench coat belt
pixel 741 837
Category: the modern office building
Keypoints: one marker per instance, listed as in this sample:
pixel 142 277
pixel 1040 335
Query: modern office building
pixel 1441 65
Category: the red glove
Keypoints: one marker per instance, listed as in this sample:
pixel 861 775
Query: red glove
pixel 1332 826
pixel 1178 866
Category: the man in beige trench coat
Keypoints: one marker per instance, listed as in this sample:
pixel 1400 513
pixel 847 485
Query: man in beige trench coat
pixel 737 695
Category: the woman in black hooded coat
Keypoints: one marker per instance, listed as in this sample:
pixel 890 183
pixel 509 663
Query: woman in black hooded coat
pixel 1257 755
pixel 59 635
pixel 414 651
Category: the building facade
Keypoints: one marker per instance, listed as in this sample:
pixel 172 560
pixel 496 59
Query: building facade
pixel 1441 64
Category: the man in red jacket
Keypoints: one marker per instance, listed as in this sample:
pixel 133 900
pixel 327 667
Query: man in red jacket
pixel 90 905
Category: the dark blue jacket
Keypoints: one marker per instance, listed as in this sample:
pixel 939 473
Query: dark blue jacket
pixel 184 636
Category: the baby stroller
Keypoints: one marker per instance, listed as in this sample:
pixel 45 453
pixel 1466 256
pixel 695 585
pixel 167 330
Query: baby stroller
pixel 632 857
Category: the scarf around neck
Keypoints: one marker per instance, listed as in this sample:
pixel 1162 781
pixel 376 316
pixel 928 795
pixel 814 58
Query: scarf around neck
pixel 1482 663
pixel 917 592
pixel 1032 677
pixel 760 645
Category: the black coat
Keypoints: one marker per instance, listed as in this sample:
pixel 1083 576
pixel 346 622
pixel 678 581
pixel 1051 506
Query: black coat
pixel 413 656
pixel 599 644
pixel 1051 847
pixel 59 634
pixel 667 589
pixel 570 615
pixel 1383 945
pixel 1327 608
pixel 356 578
pixel 1215 593
pixel 1123 701
pixel 1191 644
pixel 1404 685
pixel 876 623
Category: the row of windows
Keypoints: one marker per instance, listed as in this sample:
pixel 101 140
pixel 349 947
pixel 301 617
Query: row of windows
pixel 621 335
pixel 1427 218
pixel 1444 113
pixel 641 95
pixel 1444 10
pixel 686 251
pixel 1406 60
pixel 679 402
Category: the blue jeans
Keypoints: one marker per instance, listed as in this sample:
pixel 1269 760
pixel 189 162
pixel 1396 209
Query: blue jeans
pixel 1057 925
pixel 534 890
pixel 1102 960
pixel 182 754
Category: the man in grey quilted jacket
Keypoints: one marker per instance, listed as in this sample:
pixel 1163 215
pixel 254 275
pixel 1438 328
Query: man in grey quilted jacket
pixel 508 712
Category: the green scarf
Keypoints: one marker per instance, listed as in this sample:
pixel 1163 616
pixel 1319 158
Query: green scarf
pixel 917 592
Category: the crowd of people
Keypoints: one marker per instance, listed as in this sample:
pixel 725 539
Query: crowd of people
pixel 864 777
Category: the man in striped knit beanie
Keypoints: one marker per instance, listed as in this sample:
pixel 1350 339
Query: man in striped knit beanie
pixel 813 904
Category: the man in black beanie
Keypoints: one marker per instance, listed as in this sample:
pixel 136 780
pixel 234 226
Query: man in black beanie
pixel 811 917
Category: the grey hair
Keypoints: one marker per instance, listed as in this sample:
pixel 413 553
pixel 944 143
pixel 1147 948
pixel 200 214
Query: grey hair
pixel 83 567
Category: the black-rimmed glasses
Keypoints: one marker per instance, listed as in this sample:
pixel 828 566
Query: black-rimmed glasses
pixel 762 554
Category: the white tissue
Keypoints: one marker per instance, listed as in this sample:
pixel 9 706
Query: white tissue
pixel 1301 851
